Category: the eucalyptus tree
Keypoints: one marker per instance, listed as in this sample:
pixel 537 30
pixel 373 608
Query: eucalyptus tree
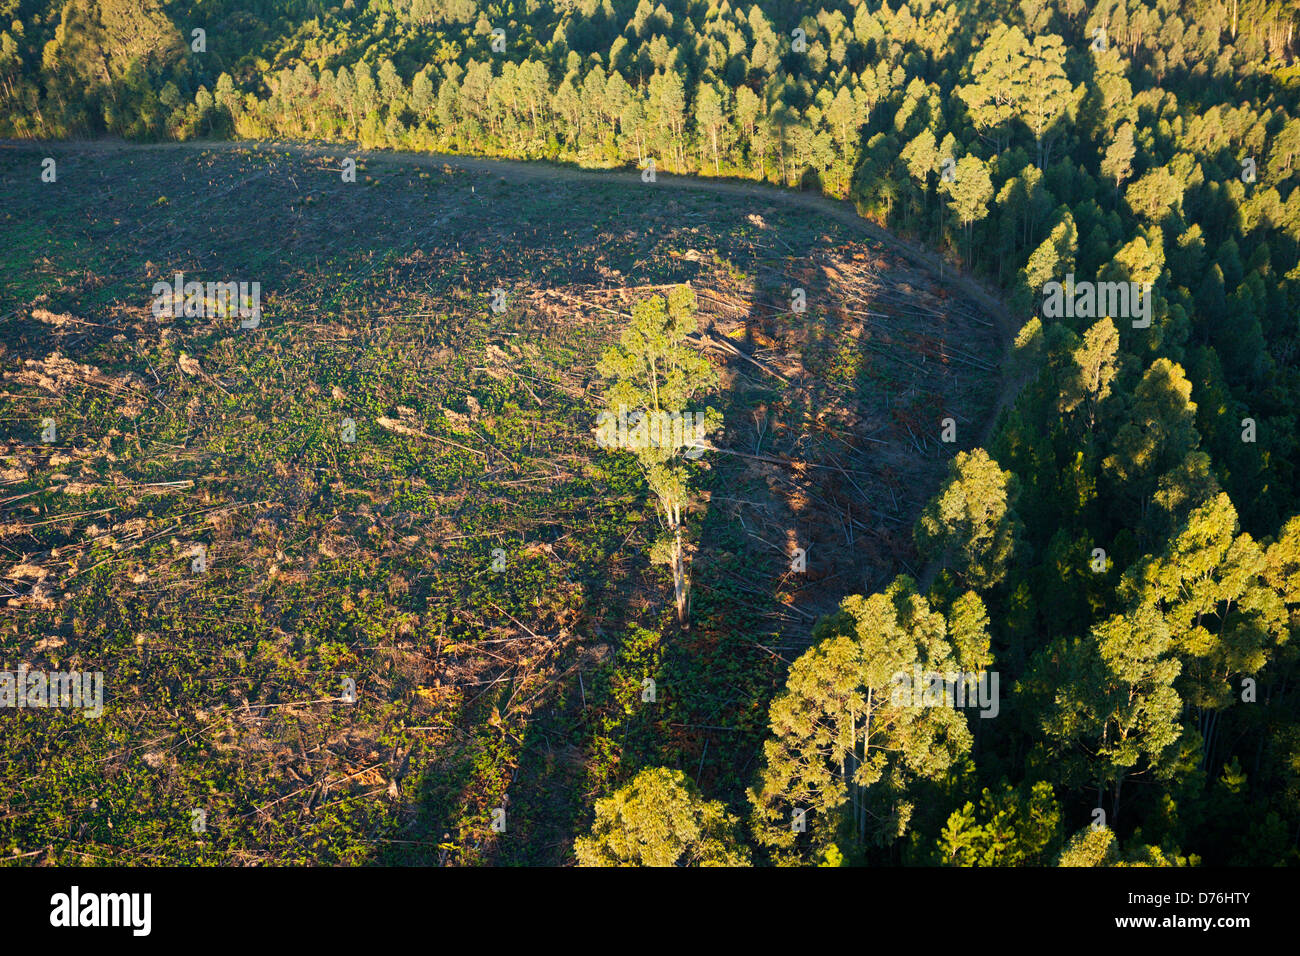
pixel 660 819
pixel 845 743
pixel 997 69
pixel 971 525
pixel 1211 584
pixel 969 192
pixel 654 375
pixel 1106 705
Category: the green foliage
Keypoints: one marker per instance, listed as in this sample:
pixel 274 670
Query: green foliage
pixel 971 525
pixel 1117 165
pixel 653 376
pixel 844 746
pixel 1097 846
pixel 1093 846
pixel 1117 703
pixel 660 819
pixel 1222 615
pixel 1010 828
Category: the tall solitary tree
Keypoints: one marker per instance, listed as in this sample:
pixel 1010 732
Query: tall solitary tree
pixel 654 375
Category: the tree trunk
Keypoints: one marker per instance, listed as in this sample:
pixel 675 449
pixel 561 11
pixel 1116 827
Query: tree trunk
pixel 679 574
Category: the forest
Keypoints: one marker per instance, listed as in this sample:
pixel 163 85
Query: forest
pixel 1120 546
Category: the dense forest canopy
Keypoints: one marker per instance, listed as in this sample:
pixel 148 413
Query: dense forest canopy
pixel 1126 550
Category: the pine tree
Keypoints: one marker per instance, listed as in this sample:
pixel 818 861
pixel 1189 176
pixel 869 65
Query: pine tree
pixel 1091 846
